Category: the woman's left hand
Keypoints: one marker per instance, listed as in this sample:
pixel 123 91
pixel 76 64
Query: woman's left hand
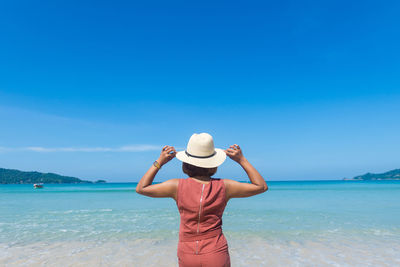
pixel 167 153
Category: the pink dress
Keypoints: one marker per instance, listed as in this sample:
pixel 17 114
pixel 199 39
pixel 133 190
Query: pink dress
pixel 201 241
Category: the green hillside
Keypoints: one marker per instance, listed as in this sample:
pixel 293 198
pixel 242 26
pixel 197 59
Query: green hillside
pixel 8 176
pixel 390 175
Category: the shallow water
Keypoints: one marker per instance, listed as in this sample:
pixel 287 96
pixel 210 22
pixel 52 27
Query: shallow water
pixel 318 223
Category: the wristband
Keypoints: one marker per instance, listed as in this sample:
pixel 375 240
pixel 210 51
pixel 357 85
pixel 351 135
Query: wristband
pixel 156 164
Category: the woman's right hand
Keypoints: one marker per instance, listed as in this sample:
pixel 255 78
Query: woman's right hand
pixel 235 153
pixel 167 153
pixel 237 189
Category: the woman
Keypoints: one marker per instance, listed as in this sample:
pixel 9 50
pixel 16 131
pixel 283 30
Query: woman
pixel 201 200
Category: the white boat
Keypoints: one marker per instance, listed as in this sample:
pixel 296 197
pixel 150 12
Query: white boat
pixel 39 185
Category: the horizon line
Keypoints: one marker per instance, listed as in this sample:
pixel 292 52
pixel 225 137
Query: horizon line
pixel 41 149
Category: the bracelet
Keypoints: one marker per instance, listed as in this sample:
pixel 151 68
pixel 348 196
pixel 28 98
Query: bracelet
pixel 156 164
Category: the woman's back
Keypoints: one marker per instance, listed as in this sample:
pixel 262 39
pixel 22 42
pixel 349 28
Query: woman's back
pixel 201 207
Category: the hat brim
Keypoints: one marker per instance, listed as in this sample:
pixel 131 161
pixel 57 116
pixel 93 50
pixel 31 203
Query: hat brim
pixel 217 159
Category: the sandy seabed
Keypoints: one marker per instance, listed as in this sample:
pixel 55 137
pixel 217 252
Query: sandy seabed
pixel 254 252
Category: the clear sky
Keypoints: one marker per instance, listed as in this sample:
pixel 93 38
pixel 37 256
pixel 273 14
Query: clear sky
pixel 93 89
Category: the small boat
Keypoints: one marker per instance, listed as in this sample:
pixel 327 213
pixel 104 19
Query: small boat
pixel 40 185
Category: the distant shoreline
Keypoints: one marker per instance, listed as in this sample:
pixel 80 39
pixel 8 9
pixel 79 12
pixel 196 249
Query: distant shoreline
pixel 268 181
pixel 377 179
pixel 386 176
pixel 11 176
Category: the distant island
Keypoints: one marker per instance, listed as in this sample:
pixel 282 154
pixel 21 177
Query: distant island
pixel 390 175
pixel 9 176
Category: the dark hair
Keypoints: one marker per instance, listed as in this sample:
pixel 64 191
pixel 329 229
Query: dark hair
pixel 193 171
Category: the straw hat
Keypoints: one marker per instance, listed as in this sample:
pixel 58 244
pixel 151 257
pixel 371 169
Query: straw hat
pixel 201 152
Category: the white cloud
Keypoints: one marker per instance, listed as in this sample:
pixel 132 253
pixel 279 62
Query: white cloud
pixel 130 148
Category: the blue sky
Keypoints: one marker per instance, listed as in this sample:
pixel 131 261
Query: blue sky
pixel 93 89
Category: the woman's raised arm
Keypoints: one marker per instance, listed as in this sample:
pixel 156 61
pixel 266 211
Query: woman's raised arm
pixel 237 189
pixel 165 189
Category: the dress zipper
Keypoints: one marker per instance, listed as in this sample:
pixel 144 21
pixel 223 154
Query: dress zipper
pixel 198 221
pixel 201 200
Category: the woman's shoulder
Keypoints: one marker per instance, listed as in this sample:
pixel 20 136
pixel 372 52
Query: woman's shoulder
pixel 173 182
pixel 223 181
pixel 179 181
pixel 229 182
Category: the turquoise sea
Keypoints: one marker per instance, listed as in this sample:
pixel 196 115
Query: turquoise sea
pixel 296 223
